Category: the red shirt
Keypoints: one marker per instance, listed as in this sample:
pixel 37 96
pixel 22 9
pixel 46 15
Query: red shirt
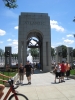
pixel 62 68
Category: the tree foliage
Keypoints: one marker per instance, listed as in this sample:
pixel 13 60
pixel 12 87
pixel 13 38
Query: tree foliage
pixel 34 52
pixel 10 3
pixel 64 51
pixel 15 55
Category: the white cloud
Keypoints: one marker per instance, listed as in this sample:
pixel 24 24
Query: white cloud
pixel 16 27
pixel 54 25
pixel 70 35
pixel 15 42
pixel 53 46
pixel 9 40
pixel 1 42
pixel 33 42
pixel 14 45
pixel 56 44
pixel 65 42
pixel 15 49
pixel 2 32
pixel 68 41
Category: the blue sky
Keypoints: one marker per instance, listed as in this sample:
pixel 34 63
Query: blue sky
pixel 61 14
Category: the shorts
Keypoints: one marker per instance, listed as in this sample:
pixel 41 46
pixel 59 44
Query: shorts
pixel 58 74
pixel 28 74
pixel 21 76
pixel 62 73
pixel 68 73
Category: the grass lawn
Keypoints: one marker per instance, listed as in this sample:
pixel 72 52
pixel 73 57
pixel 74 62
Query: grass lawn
pixel 72 72
pixel 12 74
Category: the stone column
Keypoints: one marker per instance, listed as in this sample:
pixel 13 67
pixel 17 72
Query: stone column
pixel 58 54
pixel 46 57
pixel 70 54
pixel 22 52
pixel 8 59
pixel 25 53
pixel 19 53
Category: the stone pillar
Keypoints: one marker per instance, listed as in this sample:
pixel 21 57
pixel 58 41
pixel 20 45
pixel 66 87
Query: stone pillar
pixel 8 59
pixel 25 53
pixel 58 54
pixel 19 53
pixel 70 54
pixel 22 51
pixel 46 56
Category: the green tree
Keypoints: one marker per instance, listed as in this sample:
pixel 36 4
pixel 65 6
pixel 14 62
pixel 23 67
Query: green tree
pixel 64 51
pixel 34 52
pixel 10 3
pixel 15 55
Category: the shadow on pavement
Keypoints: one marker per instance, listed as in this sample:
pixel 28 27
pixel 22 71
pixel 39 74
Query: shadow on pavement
pixel 37 71
pixel 54 83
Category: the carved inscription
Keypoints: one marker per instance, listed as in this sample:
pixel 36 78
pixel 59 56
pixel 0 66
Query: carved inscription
pixel 34 23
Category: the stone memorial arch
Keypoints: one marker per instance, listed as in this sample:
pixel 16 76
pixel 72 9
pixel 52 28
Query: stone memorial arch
pixel 35 25
pixel 58 54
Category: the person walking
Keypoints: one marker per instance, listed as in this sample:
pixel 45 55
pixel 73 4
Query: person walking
pixel 39 65
pixel 67 66
pixel 63 69
pixel 58 72
pixel 28 70
pixel 21 73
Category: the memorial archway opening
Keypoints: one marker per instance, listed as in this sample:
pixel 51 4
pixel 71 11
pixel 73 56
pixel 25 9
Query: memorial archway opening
pixel 34 46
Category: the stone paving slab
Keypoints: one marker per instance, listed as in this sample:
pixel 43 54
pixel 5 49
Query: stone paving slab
pixel 42 88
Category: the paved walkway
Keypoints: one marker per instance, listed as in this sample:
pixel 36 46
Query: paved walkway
pixel 43 88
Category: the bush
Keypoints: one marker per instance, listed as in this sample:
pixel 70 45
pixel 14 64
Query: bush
pixel 12 74
pixel 72 72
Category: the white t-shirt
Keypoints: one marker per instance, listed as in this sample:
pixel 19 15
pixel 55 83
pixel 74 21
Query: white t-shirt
pixel 58 68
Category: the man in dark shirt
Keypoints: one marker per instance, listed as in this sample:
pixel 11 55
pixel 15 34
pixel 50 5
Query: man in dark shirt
pixel 28 70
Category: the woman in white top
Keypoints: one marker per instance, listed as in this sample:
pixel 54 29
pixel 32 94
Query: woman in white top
pixel 58 72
